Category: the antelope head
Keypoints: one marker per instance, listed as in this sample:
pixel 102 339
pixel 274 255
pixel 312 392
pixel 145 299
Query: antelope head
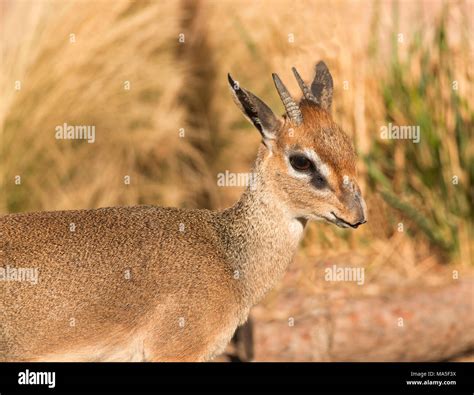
pixel 306 159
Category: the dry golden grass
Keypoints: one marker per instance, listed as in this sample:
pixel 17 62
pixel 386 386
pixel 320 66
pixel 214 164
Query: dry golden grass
pixel 83 83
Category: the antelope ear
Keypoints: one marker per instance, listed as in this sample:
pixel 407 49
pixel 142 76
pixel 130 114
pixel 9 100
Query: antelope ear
pixel 322 86
pixel 255 110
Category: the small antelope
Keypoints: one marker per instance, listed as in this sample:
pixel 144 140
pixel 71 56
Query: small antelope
pixel 149 283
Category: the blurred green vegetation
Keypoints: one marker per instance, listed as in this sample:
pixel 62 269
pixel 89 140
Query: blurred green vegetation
pixel 431 184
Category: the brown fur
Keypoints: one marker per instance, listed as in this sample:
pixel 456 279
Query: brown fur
pixel 329 141
pixel 82 275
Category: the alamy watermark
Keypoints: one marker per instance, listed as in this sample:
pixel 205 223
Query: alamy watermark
pixel 20 274
pixel 229 179
pixel 400 132
pixel 355 274
pixel 77 132
pixel 37 378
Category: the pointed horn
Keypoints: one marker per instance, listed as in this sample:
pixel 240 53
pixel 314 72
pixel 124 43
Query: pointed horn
pixel 306 91
pixel 291 106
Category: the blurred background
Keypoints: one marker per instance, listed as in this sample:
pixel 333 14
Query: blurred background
pixel 151 77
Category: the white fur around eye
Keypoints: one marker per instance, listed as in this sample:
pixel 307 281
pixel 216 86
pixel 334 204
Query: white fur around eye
pixel 322 167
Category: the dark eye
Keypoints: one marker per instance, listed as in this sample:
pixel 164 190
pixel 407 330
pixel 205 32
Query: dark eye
pixel 301 163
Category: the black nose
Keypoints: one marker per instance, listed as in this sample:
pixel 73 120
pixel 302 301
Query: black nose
pixel 356 225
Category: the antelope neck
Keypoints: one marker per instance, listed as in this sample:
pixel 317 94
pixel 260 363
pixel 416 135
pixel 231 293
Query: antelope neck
pixel 261 238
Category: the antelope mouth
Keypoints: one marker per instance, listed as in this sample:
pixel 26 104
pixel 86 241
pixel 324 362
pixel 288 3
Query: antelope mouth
pixel 342 223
